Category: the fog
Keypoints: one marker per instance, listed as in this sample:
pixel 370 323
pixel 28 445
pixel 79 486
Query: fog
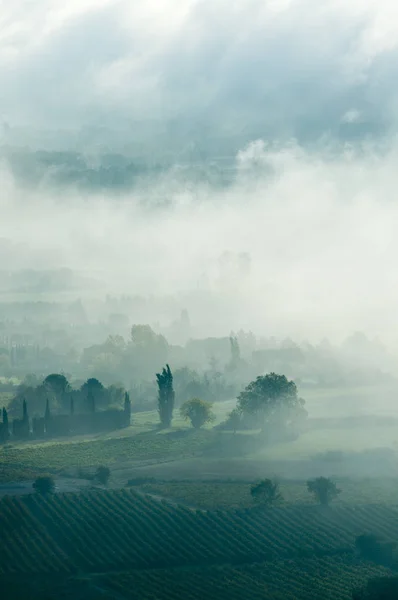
pixel 300 241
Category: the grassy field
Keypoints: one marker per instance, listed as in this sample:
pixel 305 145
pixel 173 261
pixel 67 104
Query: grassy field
pixel 19 462
pixel 355 439
pixel 141 444
pixel 211 495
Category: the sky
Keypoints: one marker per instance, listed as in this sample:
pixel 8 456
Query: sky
pixel 304 242
pixel 172 58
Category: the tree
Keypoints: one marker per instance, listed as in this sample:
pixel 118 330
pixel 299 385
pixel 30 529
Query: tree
pixel 127 408
pixel 94 393
pixel 235 359
pixel 273 399
pixel 24 411
pixel 165 396
pixel 5 418
pixel 380 588
pixel 57 383
pixel 371 547
pixel 234 419
pixel 266 492
pixel 47 414
pixel 102 475
pixel 198 412
pixel 146 350
pixel 91 401
pixel 44 485
pixel 323 489
pixel 4 427
pixel 58 386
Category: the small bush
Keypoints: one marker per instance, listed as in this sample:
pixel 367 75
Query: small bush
pixel 102 475
pixel 371 547
pixel 44 485
pixel 266 492
pixel 198 412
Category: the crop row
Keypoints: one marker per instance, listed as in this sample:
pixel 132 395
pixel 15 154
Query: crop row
pixel 331 578
pixel 299 579
pixel 115 530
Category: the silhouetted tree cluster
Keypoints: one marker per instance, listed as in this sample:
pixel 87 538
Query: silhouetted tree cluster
pixel 87 419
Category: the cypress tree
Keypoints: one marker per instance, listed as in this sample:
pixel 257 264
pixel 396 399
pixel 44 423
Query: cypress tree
pixel 47 414
pixel 5 418
pixel 24 411
pixel 165 396
pixel 127 408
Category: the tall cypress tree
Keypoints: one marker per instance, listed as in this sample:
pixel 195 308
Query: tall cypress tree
pixel 5 418
pixel 127 408
pixel 165 396
pixel 24 411
pixel 47 414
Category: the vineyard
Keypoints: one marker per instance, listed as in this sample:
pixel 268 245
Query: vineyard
pixel 98 532
pixel 330 578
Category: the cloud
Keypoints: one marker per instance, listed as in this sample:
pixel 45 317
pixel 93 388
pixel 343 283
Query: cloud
pixel 303 243
pixel 247 63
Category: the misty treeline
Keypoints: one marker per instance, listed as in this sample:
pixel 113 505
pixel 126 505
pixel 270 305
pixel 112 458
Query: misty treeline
pixel 108 172
pixel 58 394
pixel 213 368
pixel 269 403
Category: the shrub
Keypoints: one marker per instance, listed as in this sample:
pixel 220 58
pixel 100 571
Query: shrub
pixel 44 485
pixel 102 475
pixel 197 411
pixel 266 492
pixel 371 547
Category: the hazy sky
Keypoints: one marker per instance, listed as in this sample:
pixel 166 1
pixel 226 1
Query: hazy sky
pixel 68 63
pixel 310 251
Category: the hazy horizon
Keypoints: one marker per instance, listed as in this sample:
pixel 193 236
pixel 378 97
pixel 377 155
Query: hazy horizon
pixel 298 98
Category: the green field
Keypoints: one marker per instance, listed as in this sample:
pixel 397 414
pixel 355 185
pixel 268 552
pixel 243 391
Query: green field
pixel 330 578
pixel 211 495
pixel 56 456
pixel 120 544
pixel 103 531
pixel 324 439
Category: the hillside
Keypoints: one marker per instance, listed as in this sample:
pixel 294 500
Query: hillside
pixel 329 578
pixel 120 544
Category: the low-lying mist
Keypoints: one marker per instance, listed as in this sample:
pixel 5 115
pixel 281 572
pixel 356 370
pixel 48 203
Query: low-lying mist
pixel 302 243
